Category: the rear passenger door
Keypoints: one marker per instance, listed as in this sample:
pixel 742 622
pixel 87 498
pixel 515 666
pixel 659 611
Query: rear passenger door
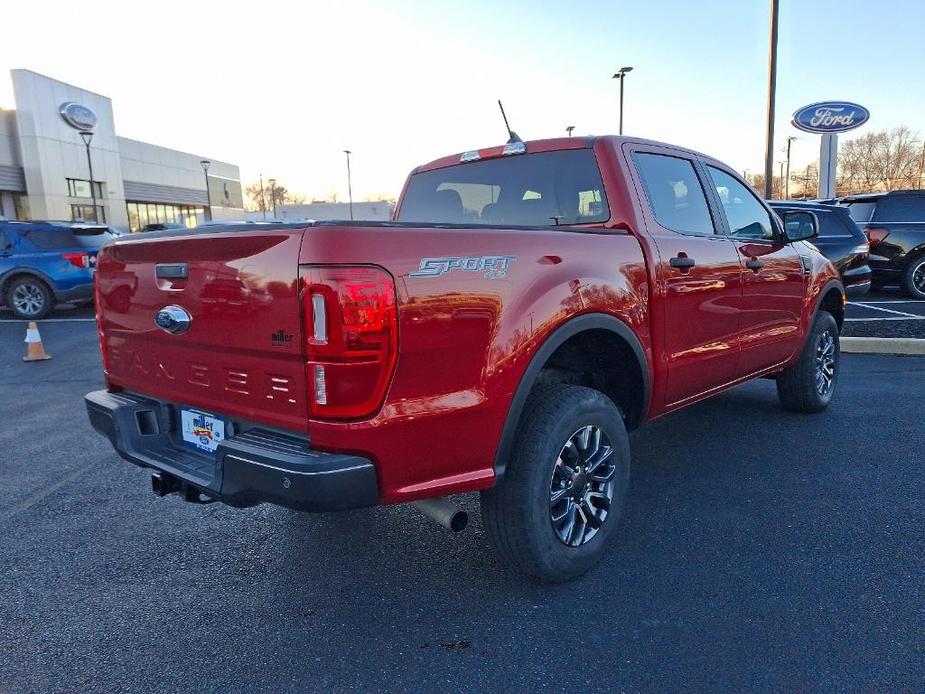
pixel 698 275
pixel 774 281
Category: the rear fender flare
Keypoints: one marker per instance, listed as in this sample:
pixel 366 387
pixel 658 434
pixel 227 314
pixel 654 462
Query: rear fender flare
pixel 19 272
pixel 579 324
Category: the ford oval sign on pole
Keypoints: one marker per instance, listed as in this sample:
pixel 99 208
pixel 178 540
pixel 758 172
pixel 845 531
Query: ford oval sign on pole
pixel 78 116
pixel 830 117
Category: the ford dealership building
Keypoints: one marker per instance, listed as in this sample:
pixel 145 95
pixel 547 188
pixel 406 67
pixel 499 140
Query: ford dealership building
pixel 45 171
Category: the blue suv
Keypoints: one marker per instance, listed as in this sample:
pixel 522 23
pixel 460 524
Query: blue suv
pixel 41 264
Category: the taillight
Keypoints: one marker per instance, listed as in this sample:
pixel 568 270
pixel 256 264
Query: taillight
pixel 77 259
pixel 351 338
pixel 875 235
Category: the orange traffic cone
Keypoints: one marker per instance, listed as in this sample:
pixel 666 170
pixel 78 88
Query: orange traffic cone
pixel 34 349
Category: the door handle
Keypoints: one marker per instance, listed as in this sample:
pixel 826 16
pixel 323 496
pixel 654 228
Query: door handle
pixel 754 264
pixel 682 262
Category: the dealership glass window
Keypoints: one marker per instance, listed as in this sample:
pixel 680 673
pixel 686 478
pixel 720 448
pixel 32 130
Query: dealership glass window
pixel 21 207
pixel 141 214
pixel 78 188
pixel 85 213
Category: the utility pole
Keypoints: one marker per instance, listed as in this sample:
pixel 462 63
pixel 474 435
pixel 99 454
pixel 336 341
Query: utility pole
pixel 790 140
pixel 922 164
pixel 349 183
pixel 569 129
pixel 772 89
pixel 272 182
pixel 780 185
pixel 263 200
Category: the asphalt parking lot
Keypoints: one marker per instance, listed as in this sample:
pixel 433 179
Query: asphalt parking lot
pixel 759 550
pixel 885 313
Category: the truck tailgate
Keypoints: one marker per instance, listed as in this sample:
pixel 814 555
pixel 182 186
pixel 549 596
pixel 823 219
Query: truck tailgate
pixel 242 352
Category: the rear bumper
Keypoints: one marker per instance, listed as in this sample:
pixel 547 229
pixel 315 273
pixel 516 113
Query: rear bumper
pixel 80 292
pixel 250 467
pixel 856 281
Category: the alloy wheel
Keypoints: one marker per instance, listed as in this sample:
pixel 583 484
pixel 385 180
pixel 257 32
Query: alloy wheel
pixel 28 299
pixel 918 277
pixel 825 363
pixel 582 486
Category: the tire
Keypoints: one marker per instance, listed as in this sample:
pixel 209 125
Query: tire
pixel 29 298
pixel 809 384
pixel 913 282
pixel 517 513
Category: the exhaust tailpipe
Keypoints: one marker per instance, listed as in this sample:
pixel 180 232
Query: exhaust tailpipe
pixel 444 512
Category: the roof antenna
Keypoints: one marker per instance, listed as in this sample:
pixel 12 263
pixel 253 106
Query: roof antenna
pixel 513 137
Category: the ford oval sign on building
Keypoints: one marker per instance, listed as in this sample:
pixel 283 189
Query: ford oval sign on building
pixel 830 117
pixel 78 116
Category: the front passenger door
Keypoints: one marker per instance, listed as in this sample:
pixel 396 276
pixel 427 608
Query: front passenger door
pixel 774 281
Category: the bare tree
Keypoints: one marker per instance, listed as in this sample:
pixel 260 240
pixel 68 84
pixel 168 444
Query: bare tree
pixel 756 181
pixel 882 160
pixel 806 182
pixel 263 200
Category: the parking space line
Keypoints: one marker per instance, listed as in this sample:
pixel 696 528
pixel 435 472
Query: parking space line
pixel 887 310
pixel 38 496
pixel 890 301
pixel 49 320
pixel 858 320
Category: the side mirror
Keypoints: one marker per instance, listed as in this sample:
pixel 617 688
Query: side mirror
pixel 800 226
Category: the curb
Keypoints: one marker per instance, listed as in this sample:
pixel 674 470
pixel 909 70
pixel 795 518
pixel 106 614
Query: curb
pixel 883 345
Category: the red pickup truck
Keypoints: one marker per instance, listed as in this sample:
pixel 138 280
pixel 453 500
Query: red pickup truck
pixel 529 304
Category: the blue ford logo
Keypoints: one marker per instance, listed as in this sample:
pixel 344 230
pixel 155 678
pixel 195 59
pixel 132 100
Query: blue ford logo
pixel 830 117
pixel 78 116
pixel 173 319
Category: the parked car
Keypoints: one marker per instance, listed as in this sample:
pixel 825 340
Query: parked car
pixel 94 236
pixel 529 304
pixel 840 239
pixel 895 226
pixel 162 226
pixel 41 264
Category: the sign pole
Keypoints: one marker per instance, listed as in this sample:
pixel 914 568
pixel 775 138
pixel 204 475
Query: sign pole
pixel 828 160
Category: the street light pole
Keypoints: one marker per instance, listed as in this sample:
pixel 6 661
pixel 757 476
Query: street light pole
pixel 569 130
pixel 205 164
pixel 349 183
pixel 263 200
pixel 772 89
pixel 87 136
pixel 621 75
pixel 273 195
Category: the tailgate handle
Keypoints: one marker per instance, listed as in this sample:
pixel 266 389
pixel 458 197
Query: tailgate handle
pixel 172 271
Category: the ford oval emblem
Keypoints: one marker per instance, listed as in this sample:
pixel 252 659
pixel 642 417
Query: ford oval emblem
pixel 78 116
pixel 173 319
pixel 830 117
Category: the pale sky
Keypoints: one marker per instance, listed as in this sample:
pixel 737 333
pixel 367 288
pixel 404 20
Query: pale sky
pixel 282 88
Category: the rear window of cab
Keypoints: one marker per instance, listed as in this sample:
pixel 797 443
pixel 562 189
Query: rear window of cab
pixel 542 189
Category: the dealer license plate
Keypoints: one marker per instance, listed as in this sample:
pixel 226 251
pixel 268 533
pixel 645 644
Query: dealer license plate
pixel 201 430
